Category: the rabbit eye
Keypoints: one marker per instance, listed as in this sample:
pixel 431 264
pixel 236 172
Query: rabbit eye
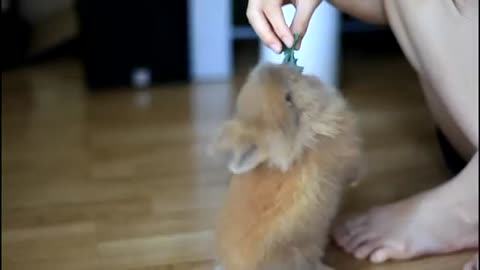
pixel 288 99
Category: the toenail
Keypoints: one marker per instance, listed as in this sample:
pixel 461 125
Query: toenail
pixel 378 257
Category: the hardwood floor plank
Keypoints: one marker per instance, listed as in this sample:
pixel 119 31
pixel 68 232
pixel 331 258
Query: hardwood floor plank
pixel 120 180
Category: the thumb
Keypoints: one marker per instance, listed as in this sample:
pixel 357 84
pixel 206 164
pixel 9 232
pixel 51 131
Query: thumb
pixel 303 14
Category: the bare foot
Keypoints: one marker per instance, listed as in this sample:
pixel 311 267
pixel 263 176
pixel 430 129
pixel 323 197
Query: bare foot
pixel 472 265
pixel 442 220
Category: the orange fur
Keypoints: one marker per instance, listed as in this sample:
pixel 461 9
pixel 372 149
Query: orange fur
pixel 292 161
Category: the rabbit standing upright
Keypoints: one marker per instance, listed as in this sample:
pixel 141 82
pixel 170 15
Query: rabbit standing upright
pixel 293 147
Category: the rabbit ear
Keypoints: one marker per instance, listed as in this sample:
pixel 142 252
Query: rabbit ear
pixel 244 158
pixel 243 153
pixel 224 139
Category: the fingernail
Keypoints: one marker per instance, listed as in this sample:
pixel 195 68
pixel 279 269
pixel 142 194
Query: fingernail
pixel 288 40
pixel 276 47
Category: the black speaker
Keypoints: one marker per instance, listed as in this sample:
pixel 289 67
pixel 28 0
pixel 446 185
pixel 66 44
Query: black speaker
pixel 133 43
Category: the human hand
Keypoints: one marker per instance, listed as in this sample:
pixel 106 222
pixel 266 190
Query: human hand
pixel 266 18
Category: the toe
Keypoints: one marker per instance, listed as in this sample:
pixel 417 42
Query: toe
pixel 469 266
pixel 472 264
pixel 387 252
pixel 364 250
pixel 382 255
pixel 341 235
pixel 360 236
pixel 344 233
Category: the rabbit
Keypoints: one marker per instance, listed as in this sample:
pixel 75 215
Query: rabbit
pixel 292 147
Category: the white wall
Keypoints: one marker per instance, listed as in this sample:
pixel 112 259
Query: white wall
pixel 210 35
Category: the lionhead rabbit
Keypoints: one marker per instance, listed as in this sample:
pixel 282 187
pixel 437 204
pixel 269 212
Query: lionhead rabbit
pixel 293 147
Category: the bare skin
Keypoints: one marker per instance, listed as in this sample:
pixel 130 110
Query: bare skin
pixel 414 227
pixel 440 40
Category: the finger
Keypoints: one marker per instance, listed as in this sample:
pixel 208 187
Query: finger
pixel 263 30
pixel 302 17
pixel 277 20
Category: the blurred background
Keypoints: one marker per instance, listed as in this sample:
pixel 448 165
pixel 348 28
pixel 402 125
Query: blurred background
pixel 125 44
pixel 108 106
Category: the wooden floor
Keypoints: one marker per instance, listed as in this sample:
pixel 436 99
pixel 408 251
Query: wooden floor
pixel 120 180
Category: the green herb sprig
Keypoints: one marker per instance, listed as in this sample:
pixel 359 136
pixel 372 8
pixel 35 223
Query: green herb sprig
pixel 289 58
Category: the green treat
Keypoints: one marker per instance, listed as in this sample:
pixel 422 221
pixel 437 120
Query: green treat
pixel 289 58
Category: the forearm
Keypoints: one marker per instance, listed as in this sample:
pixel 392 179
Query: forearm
pixel 371 11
